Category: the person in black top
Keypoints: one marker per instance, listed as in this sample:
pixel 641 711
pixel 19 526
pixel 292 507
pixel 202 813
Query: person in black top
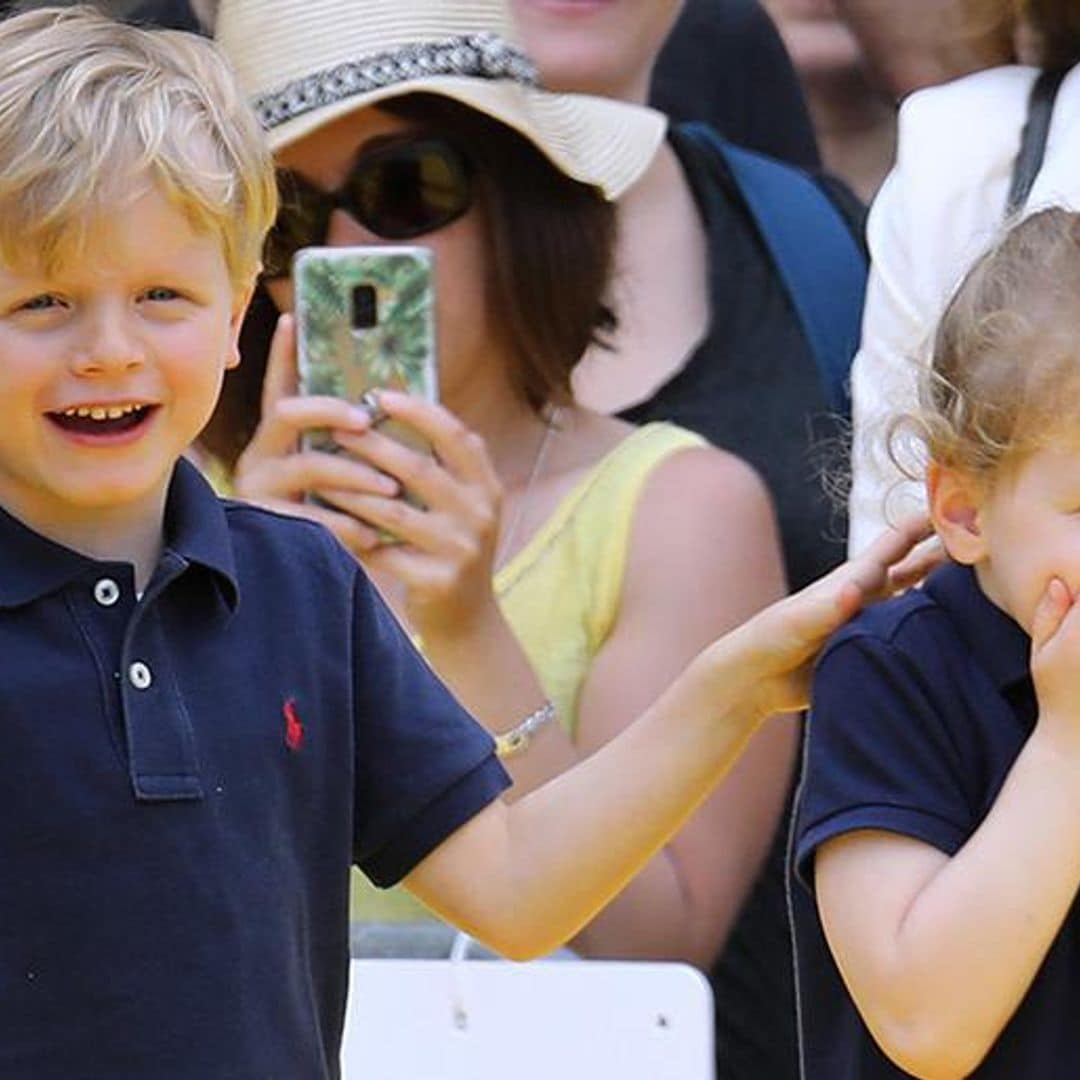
pixel 708 336
pixel 725 63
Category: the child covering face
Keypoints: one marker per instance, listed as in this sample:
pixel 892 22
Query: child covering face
pixel 939 820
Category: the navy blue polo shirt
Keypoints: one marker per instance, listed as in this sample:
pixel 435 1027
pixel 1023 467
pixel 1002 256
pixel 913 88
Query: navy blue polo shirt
pixel 184 782
pixel 920 707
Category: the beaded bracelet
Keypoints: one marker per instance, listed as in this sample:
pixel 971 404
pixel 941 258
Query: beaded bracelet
pixel 517 739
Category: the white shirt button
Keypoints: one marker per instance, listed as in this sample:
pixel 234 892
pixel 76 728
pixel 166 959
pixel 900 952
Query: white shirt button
pixel 106 592
pixel 140 675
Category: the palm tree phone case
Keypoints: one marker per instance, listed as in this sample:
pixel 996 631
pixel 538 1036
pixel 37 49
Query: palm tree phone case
pixel 365 320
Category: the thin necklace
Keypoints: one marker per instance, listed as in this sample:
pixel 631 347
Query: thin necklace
pixel 507 545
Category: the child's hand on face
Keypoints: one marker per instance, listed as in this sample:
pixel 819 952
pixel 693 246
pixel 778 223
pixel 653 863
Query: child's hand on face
pixel 1055 661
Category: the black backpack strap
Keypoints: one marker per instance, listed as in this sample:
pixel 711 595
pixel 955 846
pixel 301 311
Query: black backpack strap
pixel 1029 160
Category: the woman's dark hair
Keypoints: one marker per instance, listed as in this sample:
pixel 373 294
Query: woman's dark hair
pixel 1057 25
pixel 548 243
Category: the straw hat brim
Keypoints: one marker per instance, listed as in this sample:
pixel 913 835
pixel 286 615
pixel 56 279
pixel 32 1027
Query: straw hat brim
pixel 606 144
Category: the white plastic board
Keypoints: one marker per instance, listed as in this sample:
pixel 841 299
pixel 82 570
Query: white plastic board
pixel 488 1019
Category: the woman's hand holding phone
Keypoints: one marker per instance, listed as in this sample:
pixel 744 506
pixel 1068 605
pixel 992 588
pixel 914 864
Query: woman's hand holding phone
pixel 445 555
pixel 277 472
pixel 446 551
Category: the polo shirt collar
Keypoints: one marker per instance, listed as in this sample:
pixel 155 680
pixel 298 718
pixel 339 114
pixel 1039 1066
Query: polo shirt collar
pixel 998 643
pixel 196 530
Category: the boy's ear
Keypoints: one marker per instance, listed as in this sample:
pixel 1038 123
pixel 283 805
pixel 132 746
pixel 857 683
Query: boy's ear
pixel 956 499
pixel 241 302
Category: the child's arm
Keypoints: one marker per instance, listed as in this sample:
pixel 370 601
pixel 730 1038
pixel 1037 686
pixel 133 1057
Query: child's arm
pixel 938 952
pixel 525 878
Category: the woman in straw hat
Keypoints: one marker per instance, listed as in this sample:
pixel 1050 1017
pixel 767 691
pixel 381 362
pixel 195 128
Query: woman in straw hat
pixel 566 565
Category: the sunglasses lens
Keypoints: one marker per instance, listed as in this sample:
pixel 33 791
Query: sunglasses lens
pixel 398 193
pixel 409 190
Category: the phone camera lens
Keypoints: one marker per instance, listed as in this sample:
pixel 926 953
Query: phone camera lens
pixel 365 307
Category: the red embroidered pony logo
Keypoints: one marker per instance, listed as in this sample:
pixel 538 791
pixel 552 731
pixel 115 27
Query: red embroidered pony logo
pixel 294 728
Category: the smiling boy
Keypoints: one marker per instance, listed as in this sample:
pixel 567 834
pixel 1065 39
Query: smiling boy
pixel 207 713
pixel 110 365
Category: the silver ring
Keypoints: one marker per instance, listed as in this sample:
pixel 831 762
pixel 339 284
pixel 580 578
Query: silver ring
pixel 369 401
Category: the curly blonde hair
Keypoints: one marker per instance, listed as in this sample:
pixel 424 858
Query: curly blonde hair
pixel 1004 378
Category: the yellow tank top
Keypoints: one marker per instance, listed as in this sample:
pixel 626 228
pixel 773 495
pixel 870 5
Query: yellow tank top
pixel 560 594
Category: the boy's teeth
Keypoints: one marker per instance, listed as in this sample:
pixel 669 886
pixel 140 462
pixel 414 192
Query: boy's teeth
pixel 101 412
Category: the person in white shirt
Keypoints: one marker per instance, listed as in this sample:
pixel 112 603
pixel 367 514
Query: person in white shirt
pixel 940 208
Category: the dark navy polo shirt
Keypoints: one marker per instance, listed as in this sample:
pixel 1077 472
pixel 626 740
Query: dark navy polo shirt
pixel 184 782
pixel 920 707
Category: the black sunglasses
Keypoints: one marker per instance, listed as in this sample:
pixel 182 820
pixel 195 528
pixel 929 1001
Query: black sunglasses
pixel 399 191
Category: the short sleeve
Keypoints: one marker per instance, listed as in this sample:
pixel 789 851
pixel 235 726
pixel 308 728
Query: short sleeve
pixel 879 754
pixel 424 766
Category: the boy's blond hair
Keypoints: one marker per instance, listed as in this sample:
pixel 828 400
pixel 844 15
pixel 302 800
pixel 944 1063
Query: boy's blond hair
pixel 89 108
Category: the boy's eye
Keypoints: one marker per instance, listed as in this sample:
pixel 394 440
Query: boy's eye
pixel 40 303
pixel 160 292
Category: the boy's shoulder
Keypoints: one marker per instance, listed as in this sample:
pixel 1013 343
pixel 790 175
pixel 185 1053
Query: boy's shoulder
pixel 246 515
pixel 269 540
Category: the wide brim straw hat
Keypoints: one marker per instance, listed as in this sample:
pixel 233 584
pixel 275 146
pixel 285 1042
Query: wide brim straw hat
pixel 304 63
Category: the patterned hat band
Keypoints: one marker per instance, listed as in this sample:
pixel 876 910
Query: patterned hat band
pixel 476 56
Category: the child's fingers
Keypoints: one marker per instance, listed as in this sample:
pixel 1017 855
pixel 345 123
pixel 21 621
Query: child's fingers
pixel 913 568
pixel 1050 612
pixel 849 600
pixel 891 559
pixel 810 616
pixel 790 632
